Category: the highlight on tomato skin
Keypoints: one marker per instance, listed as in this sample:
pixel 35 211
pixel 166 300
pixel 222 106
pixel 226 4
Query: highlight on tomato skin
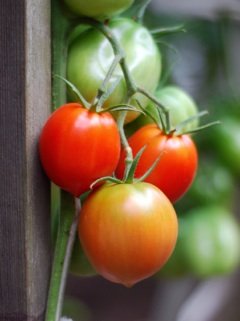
pixel 177 165
pixel 78 146
pixel 128 231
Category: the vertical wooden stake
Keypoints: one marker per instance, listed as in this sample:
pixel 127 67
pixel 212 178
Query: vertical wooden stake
pixel 25 102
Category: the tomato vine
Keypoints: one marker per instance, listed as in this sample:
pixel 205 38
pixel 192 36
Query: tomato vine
pixel 67 221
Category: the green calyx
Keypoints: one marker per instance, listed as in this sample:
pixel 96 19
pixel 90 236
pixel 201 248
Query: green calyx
pixel 129 172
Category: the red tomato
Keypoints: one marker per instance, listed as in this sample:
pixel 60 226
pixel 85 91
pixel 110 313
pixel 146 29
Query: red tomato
pixel 78 146
pixel 177 165
pixel 128 231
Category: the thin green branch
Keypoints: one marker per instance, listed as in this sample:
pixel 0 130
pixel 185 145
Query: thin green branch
pixel 63 248
pixel 132 169
pixel 125 144
pixel 149 171
pixel 105 179
pixel 147 112
pixel 141 7
pixel 159 32
pixel 74 89
pixel 126 107
pixel 59 53
pixel 190 119
pixel 105 94
pixel 198 129
pixel 165 123
pixel 59 25
pixel 101 95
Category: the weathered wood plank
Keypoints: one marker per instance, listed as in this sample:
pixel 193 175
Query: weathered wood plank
pixel 24 190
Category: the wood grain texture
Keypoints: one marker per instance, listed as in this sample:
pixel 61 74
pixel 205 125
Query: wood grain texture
pixel 25 93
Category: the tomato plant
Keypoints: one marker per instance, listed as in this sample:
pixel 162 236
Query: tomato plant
pixel 78 146
pixel 128 231
pixel 177 165
pixel 100 8
pixel 90 56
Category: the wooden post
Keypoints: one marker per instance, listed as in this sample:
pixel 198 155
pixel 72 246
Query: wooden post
pixel 25 101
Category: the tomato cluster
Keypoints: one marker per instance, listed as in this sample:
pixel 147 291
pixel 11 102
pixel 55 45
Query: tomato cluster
pixel 127 226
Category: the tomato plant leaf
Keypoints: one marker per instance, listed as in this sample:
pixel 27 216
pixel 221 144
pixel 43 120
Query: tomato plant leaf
pixel 75 91
pixel 182 124
pixel 104 179
pixel 149 171
pixel 159 32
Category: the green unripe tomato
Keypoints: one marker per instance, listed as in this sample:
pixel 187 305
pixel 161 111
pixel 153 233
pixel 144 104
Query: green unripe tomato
pixel 179 104
pixel 225 139
pixel 176 266
pixel 98 8
pixel 79 264
pixel 211 241
pixel 90 56
pixel 208 244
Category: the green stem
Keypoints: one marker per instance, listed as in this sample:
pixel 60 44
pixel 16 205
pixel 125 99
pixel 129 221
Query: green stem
pixel 126 146
pixel 103 93
pixel 166 124
pixel 167 31
pixel 142 6
pixel 59 225
pixel 63 249
pixel 60 26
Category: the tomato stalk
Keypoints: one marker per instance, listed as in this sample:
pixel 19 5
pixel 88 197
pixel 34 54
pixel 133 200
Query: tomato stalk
pixel 59 24
pixel 103 92
pixel 63 249
pixel 126 146
pixel 62 224
pixel 141 8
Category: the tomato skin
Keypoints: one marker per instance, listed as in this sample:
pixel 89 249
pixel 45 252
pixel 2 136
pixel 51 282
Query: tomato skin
pixel 177 165
pixel 78 146
pixel 100 8
pixel 90 56
pixel 128 231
